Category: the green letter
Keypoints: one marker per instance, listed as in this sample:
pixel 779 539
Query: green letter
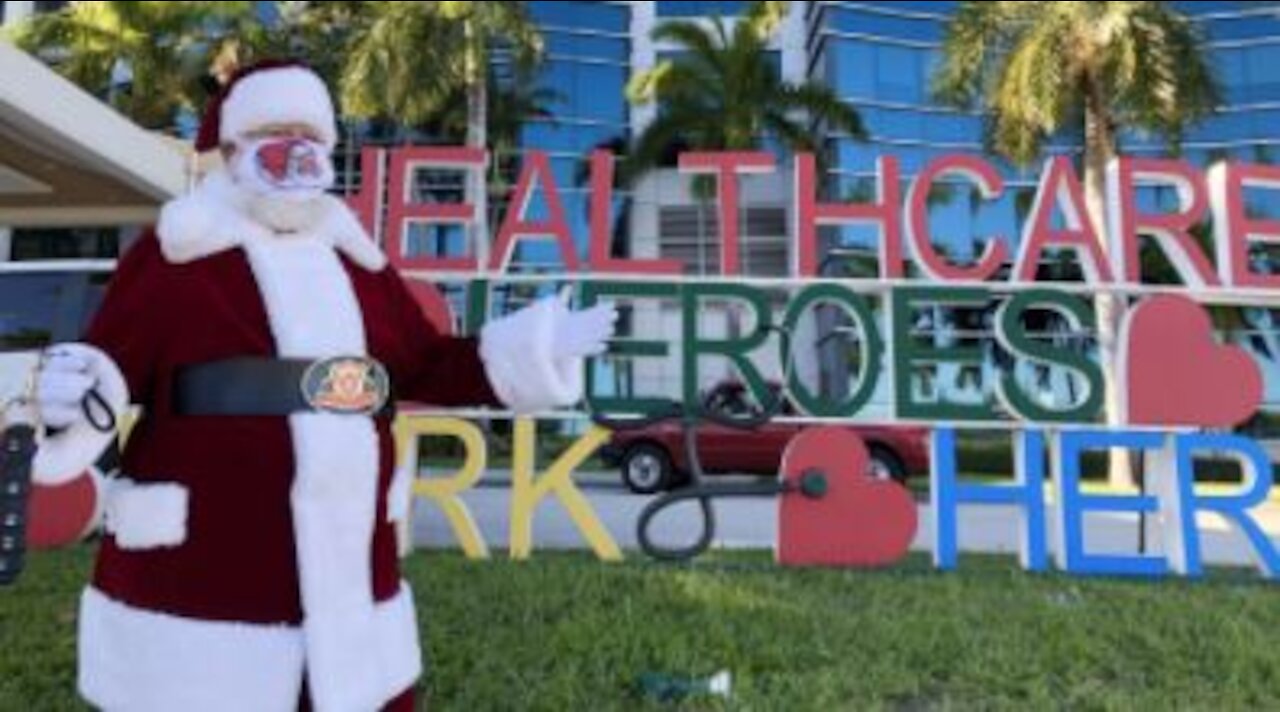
pixel 908 353
pixel 629 403
pixel 1013 337
pixel 734 349
pixel 872 349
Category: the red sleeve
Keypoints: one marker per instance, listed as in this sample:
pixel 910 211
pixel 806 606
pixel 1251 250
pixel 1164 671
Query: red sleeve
pixel 126 326
pixel 442 370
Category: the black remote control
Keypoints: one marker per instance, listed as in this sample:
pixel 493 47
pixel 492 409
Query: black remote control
pixel 17 450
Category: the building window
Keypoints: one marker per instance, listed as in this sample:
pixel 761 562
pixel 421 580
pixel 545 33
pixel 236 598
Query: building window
pixel 600 16
pixel 39 309
pixel 572 44
pixel 45 7
pixel 437 186
pixel 437 240
pixel 589 91
pixel 690 234
pixel 29 245
pixel 684 8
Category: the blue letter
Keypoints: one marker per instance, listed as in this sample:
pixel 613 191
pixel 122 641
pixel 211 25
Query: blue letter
pixel 1072 504
pixel 1027 493
pixel 1256 467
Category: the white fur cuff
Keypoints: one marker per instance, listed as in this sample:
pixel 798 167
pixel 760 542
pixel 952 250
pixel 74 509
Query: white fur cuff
pixel 517 354
pixel 65 456
pixel 146 515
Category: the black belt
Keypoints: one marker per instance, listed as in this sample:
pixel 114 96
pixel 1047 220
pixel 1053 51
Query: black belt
pixel 349 385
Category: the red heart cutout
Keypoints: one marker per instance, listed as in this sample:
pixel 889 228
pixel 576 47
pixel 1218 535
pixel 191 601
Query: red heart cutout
pixel 62 515
pixel 1178 374
pixel 860 521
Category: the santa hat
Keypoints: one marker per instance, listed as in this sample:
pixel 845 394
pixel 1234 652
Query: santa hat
pixel 270 92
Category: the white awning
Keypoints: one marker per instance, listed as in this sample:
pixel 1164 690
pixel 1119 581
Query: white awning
pixel 68 159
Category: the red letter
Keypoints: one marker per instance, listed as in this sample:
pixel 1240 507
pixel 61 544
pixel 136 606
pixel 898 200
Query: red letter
pixel 989 183
pixel 402 211
pixel 885 214
pixel 727 166
pixel 599 258
pixel 1170 230
pixel 367 204
pixel 537 166
pixel 1234 229
pixel 1060 187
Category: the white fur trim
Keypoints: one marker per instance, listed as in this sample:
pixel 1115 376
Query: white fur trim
pixel 215 218
pixel 517 354
pixel 146 515
pixel 66 455
pixel 314 313
pixel 400 494
pixel 141 660
pixel 278 96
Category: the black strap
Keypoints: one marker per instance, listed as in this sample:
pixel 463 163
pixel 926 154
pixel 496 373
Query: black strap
pixel 246 386
pixel 17 450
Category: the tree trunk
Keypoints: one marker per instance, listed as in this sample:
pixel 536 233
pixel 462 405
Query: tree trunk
pixel 478 137
pixel 1100 149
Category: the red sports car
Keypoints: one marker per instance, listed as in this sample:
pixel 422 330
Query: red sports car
pixel 653 458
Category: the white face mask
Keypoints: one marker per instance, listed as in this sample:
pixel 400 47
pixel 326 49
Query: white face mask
pixel 283 178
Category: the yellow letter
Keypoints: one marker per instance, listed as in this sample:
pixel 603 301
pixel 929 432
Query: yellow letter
pixel 558 479
pixel 409 429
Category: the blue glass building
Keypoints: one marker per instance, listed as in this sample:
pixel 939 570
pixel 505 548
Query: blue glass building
pixel 879 57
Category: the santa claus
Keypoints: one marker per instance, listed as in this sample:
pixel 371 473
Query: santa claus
pixel 249 560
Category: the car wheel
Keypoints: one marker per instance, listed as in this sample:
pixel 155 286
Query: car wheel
pixel 646 469
pixel 885 465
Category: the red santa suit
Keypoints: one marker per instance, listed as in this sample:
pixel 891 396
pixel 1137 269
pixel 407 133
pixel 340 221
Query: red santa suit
pixel 244 553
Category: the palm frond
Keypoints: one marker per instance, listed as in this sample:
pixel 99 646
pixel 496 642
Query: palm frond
pixel 719 92
pixel 765 17
pixel 1033 66
pixel 697 43
pixel 824 106
pixel 162 48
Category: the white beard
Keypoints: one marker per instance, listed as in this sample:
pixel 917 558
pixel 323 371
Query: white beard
pixel 284 215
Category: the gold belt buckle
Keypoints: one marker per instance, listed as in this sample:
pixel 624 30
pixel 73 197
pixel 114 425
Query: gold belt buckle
pixel 347 385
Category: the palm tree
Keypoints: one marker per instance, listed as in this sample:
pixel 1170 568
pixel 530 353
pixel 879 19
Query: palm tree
pixel 1039 68
pixel 719 93
pixel 512 103
pixel 451 46
pixel 147 59
pixel 320 33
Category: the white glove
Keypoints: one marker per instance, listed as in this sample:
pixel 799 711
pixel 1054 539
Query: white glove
pixel 62 382
pixel 583 333
pixel 533 357
pixel 65 375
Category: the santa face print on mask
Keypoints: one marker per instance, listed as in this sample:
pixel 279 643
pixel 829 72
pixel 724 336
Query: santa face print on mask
pixel 282 177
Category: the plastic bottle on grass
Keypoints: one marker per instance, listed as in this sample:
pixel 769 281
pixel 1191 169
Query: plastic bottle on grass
pixel 674 688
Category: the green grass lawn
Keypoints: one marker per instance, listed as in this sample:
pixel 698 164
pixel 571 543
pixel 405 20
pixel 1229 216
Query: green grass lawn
pixel 562 632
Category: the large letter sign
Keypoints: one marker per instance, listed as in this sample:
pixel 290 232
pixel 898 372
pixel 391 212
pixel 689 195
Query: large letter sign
pixel 1033 371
